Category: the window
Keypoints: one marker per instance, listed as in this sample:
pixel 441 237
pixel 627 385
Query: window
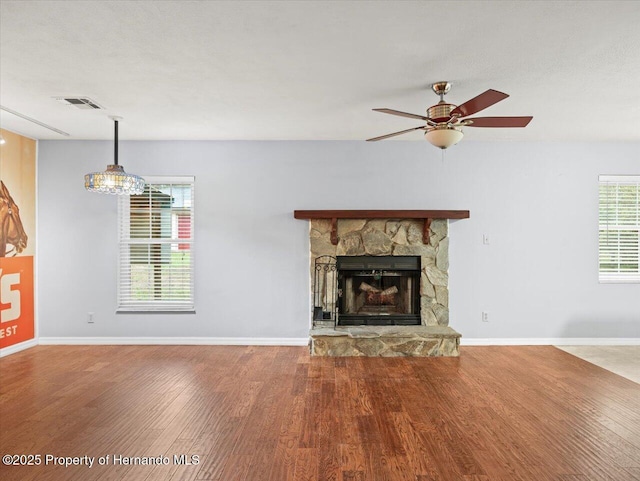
pixel 619 227
pixel 156 246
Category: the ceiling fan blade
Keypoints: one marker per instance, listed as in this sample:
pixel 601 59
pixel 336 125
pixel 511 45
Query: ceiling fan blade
pixel 401 114
pixel 382 137
pixel 481 102
pixel 497 122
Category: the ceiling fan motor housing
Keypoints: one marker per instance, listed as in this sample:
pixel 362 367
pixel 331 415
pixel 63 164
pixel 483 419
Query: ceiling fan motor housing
pixel 441 112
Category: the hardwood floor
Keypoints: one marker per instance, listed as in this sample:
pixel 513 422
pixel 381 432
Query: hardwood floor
pixel 275 414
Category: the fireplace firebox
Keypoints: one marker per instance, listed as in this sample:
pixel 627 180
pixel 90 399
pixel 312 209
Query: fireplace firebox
pixel 382 290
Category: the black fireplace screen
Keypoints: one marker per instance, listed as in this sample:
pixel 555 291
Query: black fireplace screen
pixel 378 290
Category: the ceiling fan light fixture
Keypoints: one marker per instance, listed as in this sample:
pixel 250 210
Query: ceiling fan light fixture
pixel 114 180
pixel 443 137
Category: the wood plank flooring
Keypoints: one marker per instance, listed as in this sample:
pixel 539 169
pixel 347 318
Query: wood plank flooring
pixel 275 414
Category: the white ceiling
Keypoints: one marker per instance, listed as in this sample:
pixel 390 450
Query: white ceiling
pixel 313 70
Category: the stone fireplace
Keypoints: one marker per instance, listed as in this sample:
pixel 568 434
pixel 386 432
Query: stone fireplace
pixel 388 294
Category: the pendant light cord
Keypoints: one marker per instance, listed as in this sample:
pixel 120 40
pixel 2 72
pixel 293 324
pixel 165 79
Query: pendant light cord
pixel 115 146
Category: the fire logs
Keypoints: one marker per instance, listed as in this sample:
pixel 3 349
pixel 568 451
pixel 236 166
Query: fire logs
pixel 379 297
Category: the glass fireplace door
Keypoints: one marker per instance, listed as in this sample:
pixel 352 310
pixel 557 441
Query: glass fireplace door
pixel 379 290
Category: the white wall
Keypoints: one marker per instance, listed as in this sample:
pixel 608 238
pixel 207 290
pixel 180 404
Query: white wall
pixel 537 202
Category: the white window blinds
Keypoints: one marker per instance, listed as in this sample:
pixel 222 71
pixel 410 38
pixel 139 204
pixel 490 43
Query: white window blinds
pixel 619 224
pixel 156 246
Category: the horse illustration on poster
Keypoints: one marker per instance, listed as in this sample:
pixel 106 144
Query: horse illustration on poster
pixel 13 239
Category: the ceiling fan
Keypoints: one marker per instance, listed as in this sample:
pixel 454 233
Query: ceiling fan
pixel 444 121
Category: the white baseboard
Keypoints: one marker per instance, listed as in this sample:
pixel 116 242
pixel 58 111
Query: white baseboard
pixel 553 341
pixel 18 347
pixel 301 341
pixel 178 341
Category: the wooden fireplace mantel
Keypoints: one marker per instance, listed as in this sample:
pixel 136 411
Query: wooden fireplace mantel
pixel 426 215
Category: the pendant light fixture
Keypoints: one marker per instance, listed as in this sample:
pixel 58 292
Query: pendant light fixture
pixel 114 180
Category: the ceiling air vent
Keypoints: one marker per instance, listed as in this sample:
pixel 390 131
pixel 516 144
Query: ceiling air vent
pixel 80 102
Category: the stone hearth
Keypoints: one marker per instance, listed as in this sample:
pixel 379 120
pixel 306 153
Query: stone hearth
pixel 385 341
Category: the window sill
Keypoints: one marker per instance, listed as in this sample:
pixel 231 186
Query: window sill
pixel 619 281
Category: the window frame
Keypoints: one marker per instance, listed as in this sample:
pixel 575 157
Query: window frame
pixel 618 276
pixel 125 303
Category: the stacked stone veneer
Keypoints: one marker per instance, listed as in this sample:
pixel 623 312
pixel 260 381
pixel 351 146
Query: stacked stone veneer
pixel 385 237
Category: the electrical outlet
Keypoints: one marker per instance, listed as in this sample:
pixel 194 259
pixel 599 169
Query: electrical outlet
pixel 485 316
pixel 485 239
pixel 90 317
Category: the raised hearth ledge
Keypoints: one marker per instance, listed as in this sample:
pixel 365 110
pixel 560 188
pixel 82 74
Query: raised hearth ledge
pixel 385 341
pixel 426 215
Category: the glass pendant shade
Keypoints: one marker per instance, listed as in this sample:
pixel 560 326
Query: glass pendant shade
pixel 443 137
pixel 114 180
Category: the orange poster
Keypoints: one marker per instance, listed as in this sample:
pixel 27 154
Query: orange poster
pixel 16 300
pixel 17 238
